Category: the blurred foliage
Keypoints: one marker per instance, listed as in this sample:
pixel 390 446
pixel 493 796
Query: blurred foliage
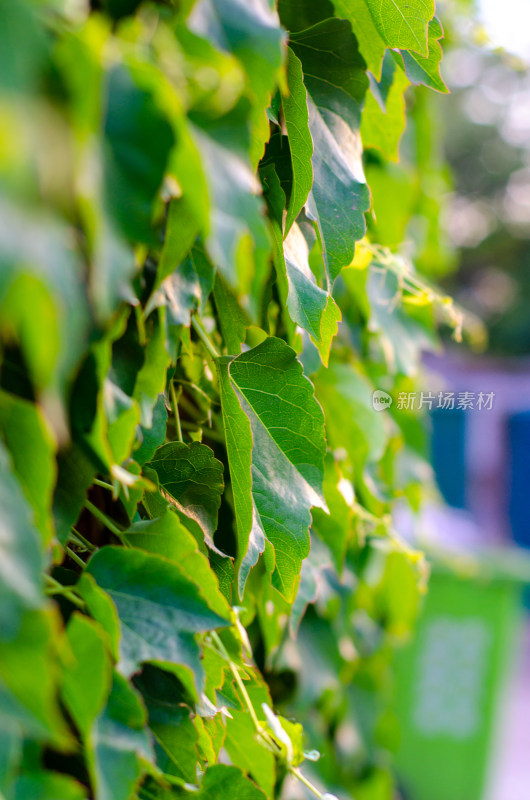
pixel 198 296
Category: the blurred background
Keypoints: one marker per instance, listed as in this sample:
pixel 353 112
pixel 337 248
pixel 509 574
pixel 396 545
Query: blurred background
pixel 463 687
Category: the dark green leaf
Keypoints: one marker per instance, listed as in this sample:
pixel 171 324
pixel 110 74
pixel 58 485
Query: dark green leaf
pixel 87 678
pixel 274 431
pixel 21 558
pixel 26 431
pixel 192 480
pixel 403 23
pixel 159 607
pixel 166 536
pixel 301 145
pixel 120 742
pixel 335 79
pixel 423 69
pixel 138 139
pixel 47 786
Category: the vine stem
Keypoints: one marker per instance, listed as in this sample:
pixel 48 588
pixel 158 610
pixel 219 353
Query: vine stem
pixel 75 557
pixel 203 336
pixel 242 688
pixel 257 724
pixel 89 546
pixel 58 588
pixel 102 517
pixel 103 484
pixel 174 403
pixel 297 774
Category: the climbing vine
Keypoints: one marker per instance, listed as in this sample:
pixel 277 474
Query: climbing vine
pixel 200 581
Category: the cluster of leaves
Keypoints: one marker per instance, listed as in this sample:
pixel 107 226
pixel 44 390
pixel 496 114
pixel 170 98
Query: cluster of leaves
pixel 181 415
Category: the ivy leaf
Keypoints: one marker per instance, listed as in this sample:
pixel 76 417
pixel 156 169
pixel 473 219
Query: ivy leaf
pixel 335 79
pixel 102 609
pixel 426 69
pixel 371 45
pixel 403 23
pixel 87 679
pixel 42 298
pixel 238 240
pixel 232 319
pixel 276 445
pixel 47 786
pixel 120 741
pixel 27 705
pixel 351 422
pixel 251 32
pixel 222 781
pixel 186 289
pixel 151 379
pixel 383 120
pixel 247 753
pixel 21 558
pixel 181 231
pixel 192 480
pixel 301 145
pixel 138 139
pixel 169 719
pixel 167 537
pixel 153 437
pixel 159 607
pixel 336 527
pixel 309 306
pixel 25 430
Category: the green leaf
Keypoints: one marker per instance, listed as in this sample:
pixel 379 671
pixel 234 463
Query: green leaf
pixel 247 753
pixel 152 437
pixel 29 706
pixel 25 431
pixel 275 443
pixel 87 679
pixel 138 139
pixel 166 536
pixel 336 527
pixel 382 127
pixel 296 15
pixel 159 607
pixel 425 69
pixel 238 241
pixel 309 306
pixel 221 781
pixel 171 723
pixel 252 33
pixel 102 609
pixel 296 116
pixel 47 786
pixel 351 422
pixel 371 46
pixel 21 558
pixel 120 742
pixel 75 473
pixel 192 480
pixel 186 289
pixel 403 23
pixel 335 79
pixel 24 46
pixel 42 298
pixel 151 379
pixel 182 229
pixel 232 319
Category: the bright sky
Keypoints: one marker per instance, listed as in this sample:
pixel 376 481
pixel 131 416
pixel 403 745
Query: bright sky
pixel 508 24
